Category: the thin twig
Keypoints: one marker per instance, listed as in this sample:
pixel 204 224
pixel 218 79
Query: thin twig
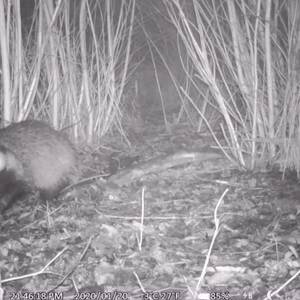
pixel 42 271
pixel 75 265
pixel 217 229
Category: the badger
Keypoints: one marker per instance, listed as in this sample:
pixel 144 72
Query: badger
pixel 34 158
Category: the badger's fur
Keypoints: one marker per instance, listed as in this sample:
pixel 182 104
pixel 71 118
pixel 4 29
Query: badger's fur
pixel 33 156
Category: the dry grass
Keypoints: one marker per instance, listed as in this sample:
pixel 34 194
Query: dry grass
pixel 242 53
pixel 73 66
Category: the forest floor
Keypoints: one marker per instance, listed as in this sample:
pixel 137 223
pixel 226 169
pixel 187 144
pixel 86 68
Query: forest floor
pixel 151 238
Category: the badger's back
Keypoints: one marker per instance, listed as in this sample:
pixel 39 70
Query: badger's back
pixel 38 155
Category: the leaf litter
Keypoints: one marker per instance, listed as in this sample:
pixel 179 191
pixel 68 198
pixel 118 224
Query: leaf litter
pixel 155 234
